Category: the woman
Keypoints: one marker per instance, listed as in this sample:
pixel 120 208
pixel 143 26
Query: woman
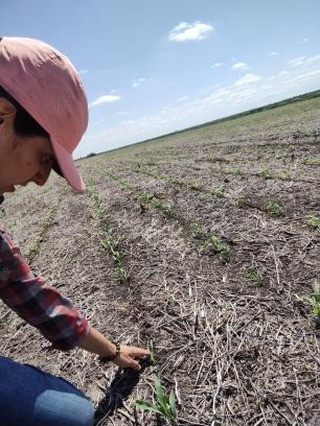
pixel 43 115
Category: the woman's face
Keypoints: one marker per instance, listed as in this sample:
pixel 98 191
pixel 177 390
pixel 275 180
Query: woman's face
pixel 22 159
pixel 30 160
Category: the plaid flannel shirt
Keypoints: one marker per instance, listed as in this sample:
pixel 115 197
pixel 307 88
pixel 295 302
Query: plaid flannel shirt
pixel 36 302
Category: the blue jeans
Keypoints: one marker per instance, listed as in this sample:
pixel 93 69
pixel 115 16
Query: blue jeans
pixel 30 397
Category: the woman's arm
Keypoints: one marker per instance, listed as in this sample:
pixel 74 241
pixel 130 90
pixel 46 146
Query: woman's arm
pixel 45 308
pixel 96 343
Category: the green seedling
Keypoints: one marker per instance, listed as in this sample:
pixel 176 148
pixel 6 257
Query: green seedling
pixel 121 182
pixel 221 248
pixel 195 229
pixel 286 175
pixel 194 186
pixel 165 404
pixel 33 248
pixel 243 201
pixel 155 202
pixel 311 161
pixel 313 300
pixel 110 245
pixel 217 192
pixel 108 242
pixel 238 172
pixel 266 173
pixel 274 208
pixel 314 221
pixel 153 359
pixel 254 275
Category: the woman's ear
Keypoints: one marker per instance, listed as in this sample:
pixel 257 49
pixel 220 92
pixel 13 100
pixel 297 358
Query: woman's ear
pixel 7 116
pixel 7 130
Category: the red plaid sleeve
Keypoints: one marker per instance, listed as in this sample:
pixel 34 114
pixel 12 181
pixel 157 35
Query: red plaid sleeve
pixel 36 302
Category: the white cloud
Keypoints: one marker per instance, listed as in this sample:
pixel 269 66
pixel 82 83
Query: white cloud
pixel 273 53
pixel 242 95
pixel 83 71
pixel 137 81
pixel 304 76
pixel 248 79
pixel 216 65
pixel 215 103
pixel 183 98
pixel 105 99
pixel 312 59
pixel 305 40
pixel 297 61
pixel 240 66
pixel 142 80
pixel 185 32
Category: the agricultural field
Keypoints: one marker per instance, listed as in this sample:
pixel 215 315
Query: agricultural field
pixel 199 245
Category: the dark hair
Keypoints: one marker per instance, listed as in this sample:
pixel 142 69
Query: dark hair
pixel 24 124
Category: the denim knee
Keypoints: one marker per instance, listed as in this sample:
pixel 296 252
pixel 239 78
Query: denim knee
pixel 31 397
pixel 54 408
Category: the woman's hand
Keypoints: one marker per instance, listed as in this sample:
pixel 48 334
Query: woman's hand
pixel 128 356
pixel 98 344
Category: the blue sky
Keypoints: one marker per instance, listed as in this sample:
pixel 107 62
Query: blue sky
pixel 150 67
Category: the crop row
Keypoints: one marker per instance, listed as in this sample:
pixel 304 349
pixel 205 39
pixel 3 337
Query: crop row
pixel 208 241
pixel 271 207
pixel 33 247
pixel 265 172
pixel 284 151
pixel 108 240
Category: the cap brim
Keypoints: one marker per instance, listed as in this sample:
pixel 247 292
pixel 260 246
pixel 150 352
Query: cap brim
pixel 67 166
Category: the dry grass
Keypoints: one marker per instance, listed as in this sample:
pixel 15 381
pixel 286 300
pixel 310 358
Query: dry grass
pixel 230 336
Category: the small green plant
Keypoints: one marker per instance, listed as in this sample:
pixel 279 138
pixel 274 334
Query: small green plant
pixel 313 300
pixel 238 171
pixel 274 208
pixel 217 192
pixel 145 197
pixel 221 248
pixel 311 161
pixel 153 359
pixel 121 182
pixel 33 248
pixel 314 221
pixel 243 201
pixel 196 229
pixel 108 242
pixel 285 175
pixel 194 186
pixel 253 274
pixel 110 245
pixel 266 173
pixel 165 404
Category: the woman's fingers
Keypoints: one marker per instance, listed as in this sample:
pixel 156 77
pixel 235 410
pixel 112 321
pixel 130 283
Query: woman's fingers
pixel 125 361
pixel 128 355
pixel 135 365
pixel 138 352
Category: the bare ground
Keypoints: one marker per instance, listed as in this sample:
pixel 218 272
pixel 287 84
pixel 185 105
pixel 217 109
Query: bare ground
pixel 229 334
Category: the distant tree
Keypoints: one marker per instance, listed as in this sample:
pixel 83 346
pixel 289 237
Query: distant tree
pixel 92 154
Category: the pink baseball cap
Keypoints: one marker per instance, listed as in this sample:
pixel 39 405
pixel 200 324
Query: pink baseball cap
pixel 46 84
